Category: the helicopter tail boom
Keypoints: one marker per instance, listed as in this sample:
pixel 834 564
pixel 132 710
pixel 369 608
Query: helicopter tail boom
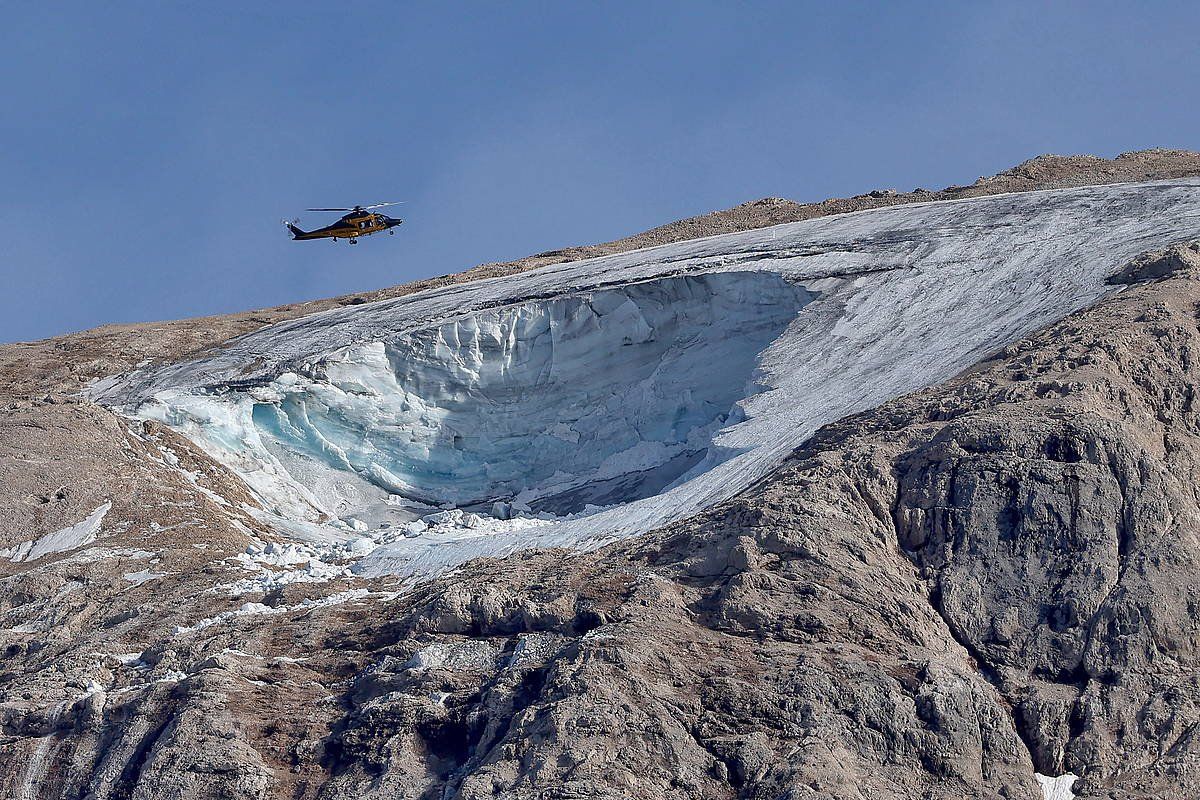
pixel 297 233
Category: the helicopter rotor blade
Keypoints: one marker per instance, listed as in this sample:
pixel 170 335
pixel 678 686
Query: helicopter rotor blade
pixel 357 208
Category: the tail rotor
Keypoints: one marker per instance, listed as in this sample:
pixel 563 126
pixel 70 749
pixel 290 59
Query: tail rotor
pixel 293 227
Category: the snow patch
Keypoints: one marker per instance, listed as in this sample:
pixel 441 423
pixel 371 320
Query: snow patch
pixel 322 553
pixel 138 578
pixel 1058 788
pixel 133 660
pixel 259 609
pixel 71 538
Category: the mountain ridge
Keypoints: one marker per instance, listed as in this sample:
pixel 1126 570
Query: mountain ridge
pixel 118 348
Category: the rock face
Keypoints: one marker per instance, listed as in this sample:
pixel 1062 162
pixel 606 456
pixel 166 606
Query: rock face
pixel 936 598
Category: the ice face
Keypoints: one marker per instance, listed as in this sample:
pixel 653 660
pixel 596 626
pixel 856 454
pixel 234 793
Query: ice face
pixel 543 398
pixel 598 397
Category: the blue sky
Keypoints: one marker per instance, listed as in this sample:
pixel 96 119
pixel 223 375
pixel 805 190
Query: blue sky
pixel 149 150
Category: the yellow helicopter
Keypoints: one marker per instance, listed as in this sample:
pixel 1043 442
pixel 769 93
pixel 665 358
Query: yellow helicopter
pixel 361 221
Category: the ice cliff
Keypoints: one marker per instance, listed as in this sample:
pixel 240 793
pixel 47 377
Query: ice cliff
pixel 650 384
pixel 600 398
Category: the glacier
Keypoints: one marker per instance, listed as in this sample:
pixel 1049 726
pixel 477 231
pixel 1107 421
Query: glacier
pixel 615 395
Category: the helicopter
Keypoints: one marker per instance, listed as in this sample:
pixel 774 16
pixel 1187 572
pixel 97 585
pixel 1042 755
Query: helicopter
pixel 361 221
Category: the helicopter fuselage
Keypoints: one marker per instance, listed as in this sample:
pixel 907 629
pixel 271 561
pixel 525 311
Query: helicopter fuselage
pixel 351 226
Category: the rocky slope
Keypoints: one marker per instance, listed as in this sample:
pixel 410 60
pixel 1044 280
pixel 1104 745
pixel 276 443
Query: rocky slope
pixel 937 598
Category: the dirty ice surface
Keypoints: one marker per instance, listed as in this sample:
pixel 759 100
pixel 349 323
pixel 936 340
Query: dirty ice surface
pixel 614 395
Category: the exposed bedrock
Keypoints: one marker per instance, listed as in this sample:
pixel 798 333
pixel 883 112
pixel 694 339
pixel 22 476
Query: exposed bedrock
pixel 1063 551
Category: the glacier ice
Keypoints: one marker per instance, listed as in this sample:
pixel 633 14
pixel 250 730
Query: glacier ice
pixel 656 382
pixel 541 399
pixel 597 398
